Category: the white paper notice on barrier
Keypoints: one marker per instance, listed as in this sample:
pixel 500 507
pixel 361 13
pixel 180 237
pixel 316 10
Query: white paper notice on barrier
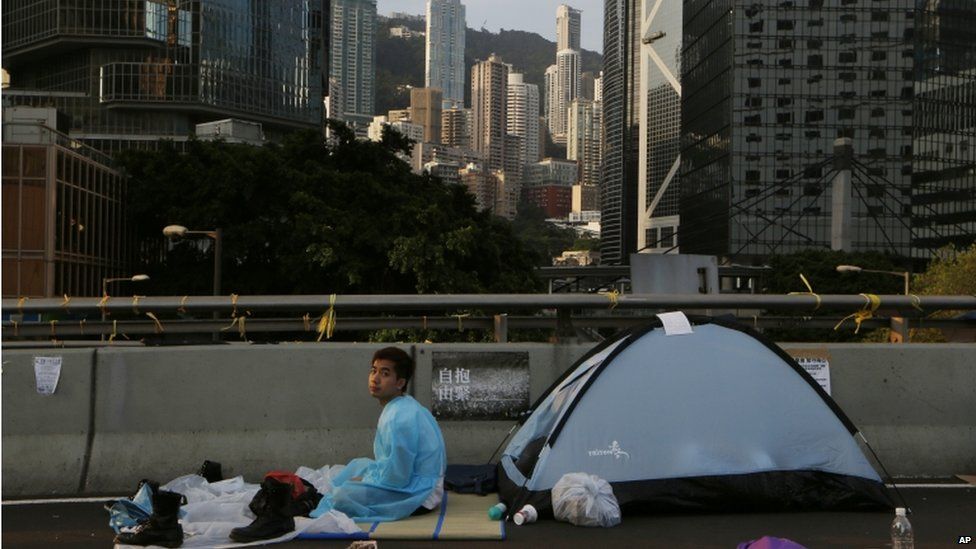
pixel 675 323
pixel 816 363
pixel 47 373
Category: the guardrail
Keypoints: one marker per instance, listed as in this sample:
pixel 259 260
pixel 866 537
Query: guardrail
pixel 496 312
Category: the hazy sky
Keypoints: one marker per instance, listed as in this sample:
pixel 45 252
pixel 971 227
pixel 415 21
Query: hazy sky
pixel 529 15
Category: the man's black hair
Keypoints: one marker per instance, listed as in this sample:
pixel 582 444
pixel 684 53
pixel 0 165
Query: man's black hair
pixel 402 363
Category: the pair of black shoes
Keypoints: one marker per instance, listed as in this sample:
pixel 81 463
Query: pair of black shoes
pixel 275 514
pixel 163 525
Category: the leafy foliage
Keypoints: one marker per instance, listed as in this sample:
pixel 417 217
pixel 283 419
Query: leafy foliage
pixel 307 217
pixel 952 272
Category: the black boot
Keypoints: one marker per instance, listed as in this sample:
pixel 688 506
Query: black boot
pixel 271 505
pixel 162 527
pixel 210 470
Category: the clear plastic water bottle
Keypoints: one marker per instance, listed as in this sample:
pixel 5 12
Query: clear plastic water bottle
pixel 902 536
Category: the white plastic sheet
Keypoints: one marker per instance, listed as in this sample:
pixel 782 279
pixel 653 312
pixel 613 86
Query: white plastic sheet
pixel 214 509
pixel 585 500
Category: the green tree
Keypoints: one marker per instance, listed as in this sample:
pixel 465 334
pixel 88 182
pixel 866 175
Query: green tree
pixel 310 217
pixel 543 239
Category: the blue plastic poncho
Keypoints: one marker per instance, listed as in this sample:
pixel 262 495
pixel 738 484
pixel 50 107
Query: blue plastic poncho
pixel 409 465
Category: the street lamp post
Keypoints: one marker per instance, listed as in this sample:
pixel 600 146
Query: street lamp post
pixel 107 281
pixel 899 325
pixel 174 232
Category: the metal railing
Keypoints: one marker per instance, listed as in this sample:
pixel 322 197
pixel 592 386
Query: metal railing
pixel 499 313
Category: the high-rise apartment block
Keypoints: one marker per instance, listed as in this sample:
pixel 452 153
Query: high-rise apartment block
pixel 523 117
pixel 567 88
pixel 489 94
pixel 352 85
pixel 425 109
pixel 567 28
pixel 550 83
pixel 456 126
pixel 584 141
pixel 126 74
pixel 445 50
pixel 759 126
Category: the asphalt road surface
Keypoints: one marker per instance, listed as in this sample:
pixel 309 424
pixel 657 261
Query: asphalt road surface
pixel 940 517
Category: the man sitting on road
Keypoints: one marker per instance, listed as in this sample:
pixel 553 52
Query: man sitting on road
pixel 405 476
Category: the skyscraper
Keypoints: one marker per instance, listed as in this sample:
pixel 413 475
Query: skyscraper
pixel 352 85
pixel 943 140
pixel 660 138
pixel 550 82
pixel 566 90
pixel 567 28
pixel 523 117
pixel 758 132
pixel 425 109
pixel 584 142
pixel 621 82
pixel 489 94
pixel 445 50
pixel 126 74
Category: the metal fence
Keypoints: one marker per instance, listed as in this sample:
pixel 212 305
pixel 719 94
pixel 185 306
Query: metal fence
pixel 566 315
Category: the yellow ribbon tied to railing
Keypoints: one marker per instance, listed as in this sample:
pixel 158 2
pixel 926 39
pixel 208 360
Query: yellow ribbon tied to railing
pixel 307 321
pixel 20 304
pixel 181 309
pixel 159 325
pixel 808 292
pixel 613 296
pixel 115 331
pixel 459 317
pixel 135 303
pixel 66 301
pixel 871 304
pixel 102 303
pixel 327 321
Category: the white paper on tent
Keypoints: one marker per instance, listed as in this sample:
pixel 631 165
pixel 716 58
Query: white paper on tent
pixel 675 323
pixel 47 372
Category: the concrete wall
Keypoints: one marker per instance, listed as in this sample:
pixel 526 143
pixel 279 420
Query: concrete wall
pixel 122 414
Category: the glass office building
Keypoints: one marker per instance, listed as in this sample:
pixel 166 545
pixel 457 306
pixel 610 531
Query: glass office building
pixel 129 72
pixel 944 136
pixel 64 223
pixel 663 128
pixel 767 88
pixel 621 131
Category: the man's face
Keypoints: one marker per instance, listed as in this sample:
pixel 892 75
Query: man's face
pixel 384 385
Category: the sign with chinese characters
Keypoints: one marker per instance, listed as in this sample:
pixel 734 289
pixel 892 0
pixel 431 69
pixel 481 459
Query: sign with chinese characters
pixel 479 385
pixel 816 362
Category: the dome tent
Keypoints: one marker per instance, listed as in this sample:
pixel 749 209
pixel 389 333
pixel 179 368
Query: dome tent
pixel 718 419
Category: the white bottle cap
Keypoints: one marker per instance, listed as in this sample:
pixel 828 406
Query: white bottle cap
pixel 519 519
pixel 899 511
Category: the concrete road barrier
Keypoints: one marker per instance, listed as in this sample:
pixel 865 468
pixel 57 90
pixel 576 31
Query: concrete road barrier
pixel 122 414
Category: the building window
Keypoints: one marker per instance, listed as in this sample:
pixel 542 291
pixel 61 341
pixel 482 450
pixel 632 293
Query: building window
pixel 847 57
pixel 155 20
pixel 784 24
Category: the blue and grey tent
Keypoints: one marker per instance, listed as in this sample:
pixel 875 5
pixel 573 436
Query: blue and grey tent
pixel 719 419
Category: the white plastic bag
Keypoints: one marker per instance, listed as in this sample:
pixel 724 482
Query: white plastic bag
pixel 585 500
